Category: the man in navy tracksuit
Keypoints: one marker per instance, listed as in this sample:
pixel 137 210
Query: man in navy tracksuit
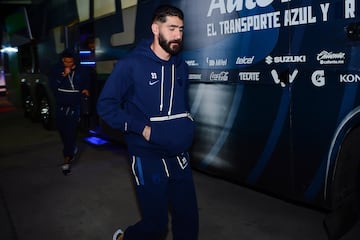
pixel 69 81
pixel 146 98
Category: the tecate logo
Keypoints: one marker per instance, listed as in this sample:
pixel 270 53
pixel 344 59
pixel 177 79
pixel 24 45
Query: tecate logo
pixel 222 76
pixel 249 76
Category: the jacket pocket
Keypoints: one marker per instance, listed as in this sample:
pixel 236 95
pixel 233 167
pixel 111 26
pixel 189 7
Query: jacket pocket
pixel 173 136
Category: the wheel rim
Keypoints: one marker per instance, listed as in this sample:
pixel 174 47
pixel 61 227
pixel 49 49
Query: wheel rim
pixel 44 110
pixel 29 105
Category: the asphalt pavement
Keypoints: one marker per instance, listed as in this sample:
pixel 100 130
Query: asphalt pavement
pixel 37 202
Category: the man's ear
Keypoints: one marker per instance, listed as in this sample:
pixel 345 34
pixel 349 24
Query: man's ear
pixel 155 29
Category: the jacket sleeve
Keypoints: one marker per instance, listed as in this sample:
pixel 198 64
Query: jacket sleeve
pixel 110 105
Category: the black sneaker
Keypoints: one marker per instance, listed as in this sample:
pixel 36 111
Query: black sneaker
pixel 66 169
pixel 118 235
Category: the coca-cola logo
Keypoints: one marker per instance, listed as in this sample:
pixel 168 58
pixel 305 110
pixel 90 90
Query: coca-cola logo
pixel 221 76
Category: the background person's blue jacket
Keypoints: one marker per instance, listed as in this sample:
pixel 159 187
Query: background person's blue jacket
pixel 145 90
pixel 66 92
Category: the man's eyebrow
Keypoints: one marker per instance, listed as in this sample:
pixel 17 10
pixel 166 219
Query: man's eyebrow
pixel 176 26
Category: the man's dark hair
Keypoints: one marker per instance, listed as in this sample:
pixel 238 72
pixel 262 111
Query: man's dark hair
pixel 68 53
pixel 163 11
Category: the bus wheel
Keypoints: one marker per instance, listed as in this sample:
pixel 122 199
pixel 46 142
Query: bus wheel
pixel 27 101
pixel 28 105
pixel 46 115
pixel 345 190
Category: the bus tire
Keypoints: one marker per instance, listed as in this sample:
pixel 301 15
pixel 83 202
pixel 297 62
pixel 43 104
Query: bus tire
pixel 345 190
pixel 27 100
pixel 46 112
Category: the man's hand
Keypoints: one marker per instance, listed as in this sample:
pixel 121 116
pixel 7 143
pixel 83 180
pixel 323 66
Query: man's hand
pixel 146 133
pixel 66 71
pixel 85 92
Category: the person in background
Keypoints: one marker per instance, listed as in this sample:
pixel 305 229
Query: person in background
pixel 146 98
pixel 69 82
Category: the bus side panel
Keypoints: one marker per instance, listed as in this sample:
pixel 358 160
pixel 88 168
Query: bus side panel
pixel 323 95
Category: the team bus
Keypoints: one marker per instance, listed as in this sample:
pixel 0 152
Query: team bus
pixel 274 85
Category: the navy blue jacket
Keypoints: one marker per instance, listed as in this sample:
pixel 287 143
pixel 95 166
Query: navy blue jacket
pixel 146 90
pixel 67 92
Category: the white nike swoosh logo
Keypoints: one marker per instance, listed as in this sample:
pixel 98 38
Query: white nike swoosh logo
pixel 153 83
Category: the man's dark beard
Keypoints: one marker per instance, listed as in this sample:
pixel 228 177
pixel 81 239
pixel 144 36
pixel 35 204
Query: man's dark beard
pixel 166 45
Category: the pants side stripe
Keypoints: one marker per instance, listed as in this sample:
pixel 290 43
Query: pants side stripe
pixel 166 168
pixel 133 170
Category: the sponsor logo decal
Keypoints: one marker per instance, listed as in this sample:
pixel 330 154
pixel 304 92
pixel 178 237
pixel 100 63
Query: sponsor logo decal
pixel 326 57
pixel 249 76
pixel 318 78
pixel 216 62
pixel 245 60
pixel 285 59
pixel 277 80
pixel 221 76
pixel 192 63
pixel 349 78
pixel 194 76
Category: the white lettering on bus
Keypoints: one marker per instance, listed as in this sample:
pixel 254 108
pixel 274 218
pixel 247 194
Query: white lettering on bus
pixel 349 8
pixel 249 76
pixel 299 16
pixel 349 78
pixel 249 23
pixel 228 6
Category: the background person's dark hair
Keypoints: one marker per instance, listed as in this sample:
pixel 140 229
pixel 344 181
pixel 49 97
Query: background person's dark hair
pixel 68 53
pixel 163 11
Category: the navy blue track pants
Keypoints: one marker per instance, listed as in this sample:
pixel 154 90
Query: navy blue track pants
pixel 67 120
pixel 164 185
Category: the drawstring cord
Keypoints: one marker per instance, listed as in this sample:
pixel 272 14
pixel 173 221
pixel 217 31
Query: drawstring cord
pixel 172 88
pixel 71 80
pixel 162 89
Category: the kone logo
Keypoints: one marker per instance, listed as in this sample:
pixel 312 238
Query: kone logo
pixel 349 78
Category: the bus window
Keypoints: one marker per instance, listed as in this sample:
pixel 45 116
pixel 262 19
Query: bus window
pixel 26 59
pixel 104 7
pixel 83 8
pixel 128 8
pixel 59 44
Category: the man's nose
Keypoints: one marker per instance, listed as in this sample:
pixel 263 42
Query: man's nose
pixel 178 34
